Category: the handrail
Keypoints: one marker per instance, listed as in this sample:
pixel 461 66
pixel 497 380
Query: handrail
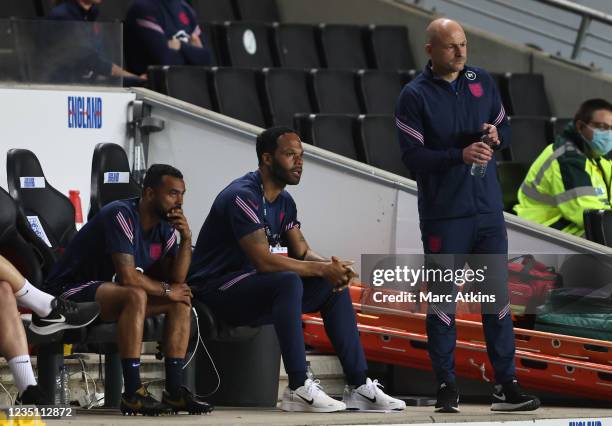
pixel 587 16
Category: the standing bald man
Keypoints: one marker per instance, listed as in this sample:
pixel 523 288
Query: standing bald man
pixel 443 116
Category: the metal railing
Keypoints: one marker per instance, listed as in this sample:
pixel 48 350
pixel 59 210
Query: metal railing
pixel 580 34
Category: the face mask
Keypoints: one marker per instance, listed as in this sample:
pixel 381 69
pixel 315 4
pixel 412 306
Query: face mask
pixel 602 141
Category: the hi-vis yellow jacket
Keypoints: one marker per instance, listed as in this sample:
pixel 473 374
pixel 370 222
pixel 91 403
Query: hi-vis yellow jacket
pixel 563 182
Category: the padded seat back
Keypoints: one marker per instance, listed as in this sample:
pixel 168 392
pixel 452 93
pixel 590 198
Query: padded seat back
pixel 389 47
pixel 235 94
pixel 296 46
pixel 110 177
pixel 49 211
pixel 286 93
pixel 245 45
pixel 334 92
pixel 343 46
pixel 378 135
pixel 510 175
pixel 334 132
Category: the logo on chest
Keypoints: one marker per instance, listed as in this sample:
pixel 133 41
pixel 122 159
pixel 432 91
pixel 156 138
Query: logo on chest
pixel 155 251
pixel 476 89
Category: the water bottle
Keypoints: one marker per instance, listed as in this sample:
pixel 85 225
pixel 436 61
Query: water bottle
pixel 479 170
pixel 62 389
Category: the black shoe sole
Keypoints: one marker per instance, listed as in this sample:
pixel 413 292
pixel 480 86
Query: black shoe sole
pixel 530 405
pixel 53 328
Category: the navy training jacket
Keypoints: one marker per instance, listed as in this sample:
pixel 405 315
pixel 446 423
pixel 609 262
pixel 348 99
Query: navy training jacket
pixel 435 123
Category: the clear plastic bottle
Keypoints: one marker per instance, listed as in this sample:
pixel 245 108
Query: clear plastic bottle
pixel 479 170
pixel 62 387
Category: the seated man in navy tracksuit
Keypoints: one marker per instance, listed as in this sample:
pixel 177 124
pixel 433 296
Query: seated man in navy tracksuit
pixel 163 32
pixel 441 116
pixel 252 266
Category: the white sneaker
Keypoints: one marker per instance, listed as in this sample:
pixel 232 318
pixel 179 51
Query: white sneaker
pixel 370 397
pixel 310 398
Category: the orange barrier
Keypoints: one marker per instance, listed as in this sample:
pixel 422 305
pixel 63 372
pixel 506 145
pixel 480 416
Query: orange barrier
pixel 567 365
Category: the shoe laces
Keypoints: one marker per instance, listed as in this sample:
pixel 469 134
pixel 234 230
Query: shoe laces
pixel 314 387
pixel 374 385
pixel 66 305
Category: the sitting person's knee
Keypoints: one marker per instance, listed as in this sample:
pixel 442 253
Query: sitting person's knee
pixel 135 297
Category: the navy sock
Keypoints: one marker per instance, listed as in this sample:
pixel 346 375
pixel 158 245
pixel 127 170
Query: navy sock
pixel 356 378
pixel 131 375
pixel 174 375
pixel 296 379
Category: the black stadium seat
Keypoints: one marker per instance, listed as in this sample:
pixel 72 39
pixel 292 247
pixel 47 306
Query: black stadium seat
pixel 379 90
pixel 378 136
pixel 334 92
pixel 46 207
pixel 286 94
pixel 245 45
pixel 333 132
pixel 189 84
pixel 526 95
pixel 296 46
pixel 511 175
pixel 558 125
pixel 257 10
pixel 110 177
pixel 389 47
pixel 343 46
pixel 18 9
pixel 530 135
pixel 598 226
pixel 214 10
pixel 235 94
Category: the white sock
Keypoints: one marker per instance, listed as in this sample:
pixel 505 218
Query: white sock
pixel 22 372
pixel 34 299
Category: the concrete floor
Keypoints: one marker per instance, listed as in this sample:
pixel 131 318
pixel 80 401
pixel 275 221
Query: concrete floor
pixel 412 415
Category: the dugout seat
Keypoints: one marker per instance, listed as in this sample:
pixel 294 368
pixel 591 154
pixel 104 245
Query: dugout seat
pixel 378 136
pixel 286 94
pixel 342 46
pixel 379 90
pixel 389 48
pixel 245 45
pixel 530 135
pixel 50 212
pixel 334 92
pixel 296 46
pixel 187 83
pixel 333 132
pixel 110 177
pixel 526 95
pixel 235 94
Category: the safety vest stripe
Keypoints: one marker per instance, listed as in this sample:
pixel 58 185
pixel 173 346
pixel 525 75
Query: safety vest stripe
pixel 555 200
pixel 555 154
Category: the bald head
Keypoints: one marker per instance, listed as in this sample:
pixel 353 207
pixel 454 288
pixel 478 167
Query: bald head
pixel 442 28
pixel 447 47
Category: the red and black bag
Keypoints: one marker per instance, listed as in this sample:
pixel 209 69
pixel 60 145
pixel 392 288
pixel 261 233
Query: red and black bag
pixel 529 282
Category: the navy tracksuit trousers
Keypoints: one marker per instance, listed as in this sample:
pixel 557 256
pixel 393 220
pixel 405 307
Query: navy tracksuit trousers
pixel 280 298
pixel 481 241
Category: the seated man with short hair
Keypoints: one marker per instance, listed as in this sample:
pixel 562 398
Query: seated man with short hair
pixel 253 266
pixel 112 260
pixel 50 315
pixel 573 174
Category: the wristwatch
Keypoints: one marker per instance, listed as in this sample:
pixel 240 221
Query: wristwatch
pixel 166 288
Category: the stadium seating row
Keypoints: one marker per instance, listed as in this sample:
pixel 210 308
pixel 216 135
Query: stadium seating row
pixel 260 44
pixel 260 97
pixel 115 10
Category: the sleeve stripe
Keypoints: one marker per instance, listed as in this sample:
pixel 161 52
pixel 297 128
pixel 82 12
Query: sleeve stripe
pixel 170 242
pixel 291 225
pixel 150 25
pixel 500 116
pixel 443 317
pixel 249 211
pixel 124 226
pixel 410 131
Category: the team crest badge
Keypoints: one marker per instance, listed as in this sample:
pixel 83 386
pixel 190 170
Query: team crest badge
pixel 476 89
pixel 434 243
pixel 470 75
pixel 155 251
